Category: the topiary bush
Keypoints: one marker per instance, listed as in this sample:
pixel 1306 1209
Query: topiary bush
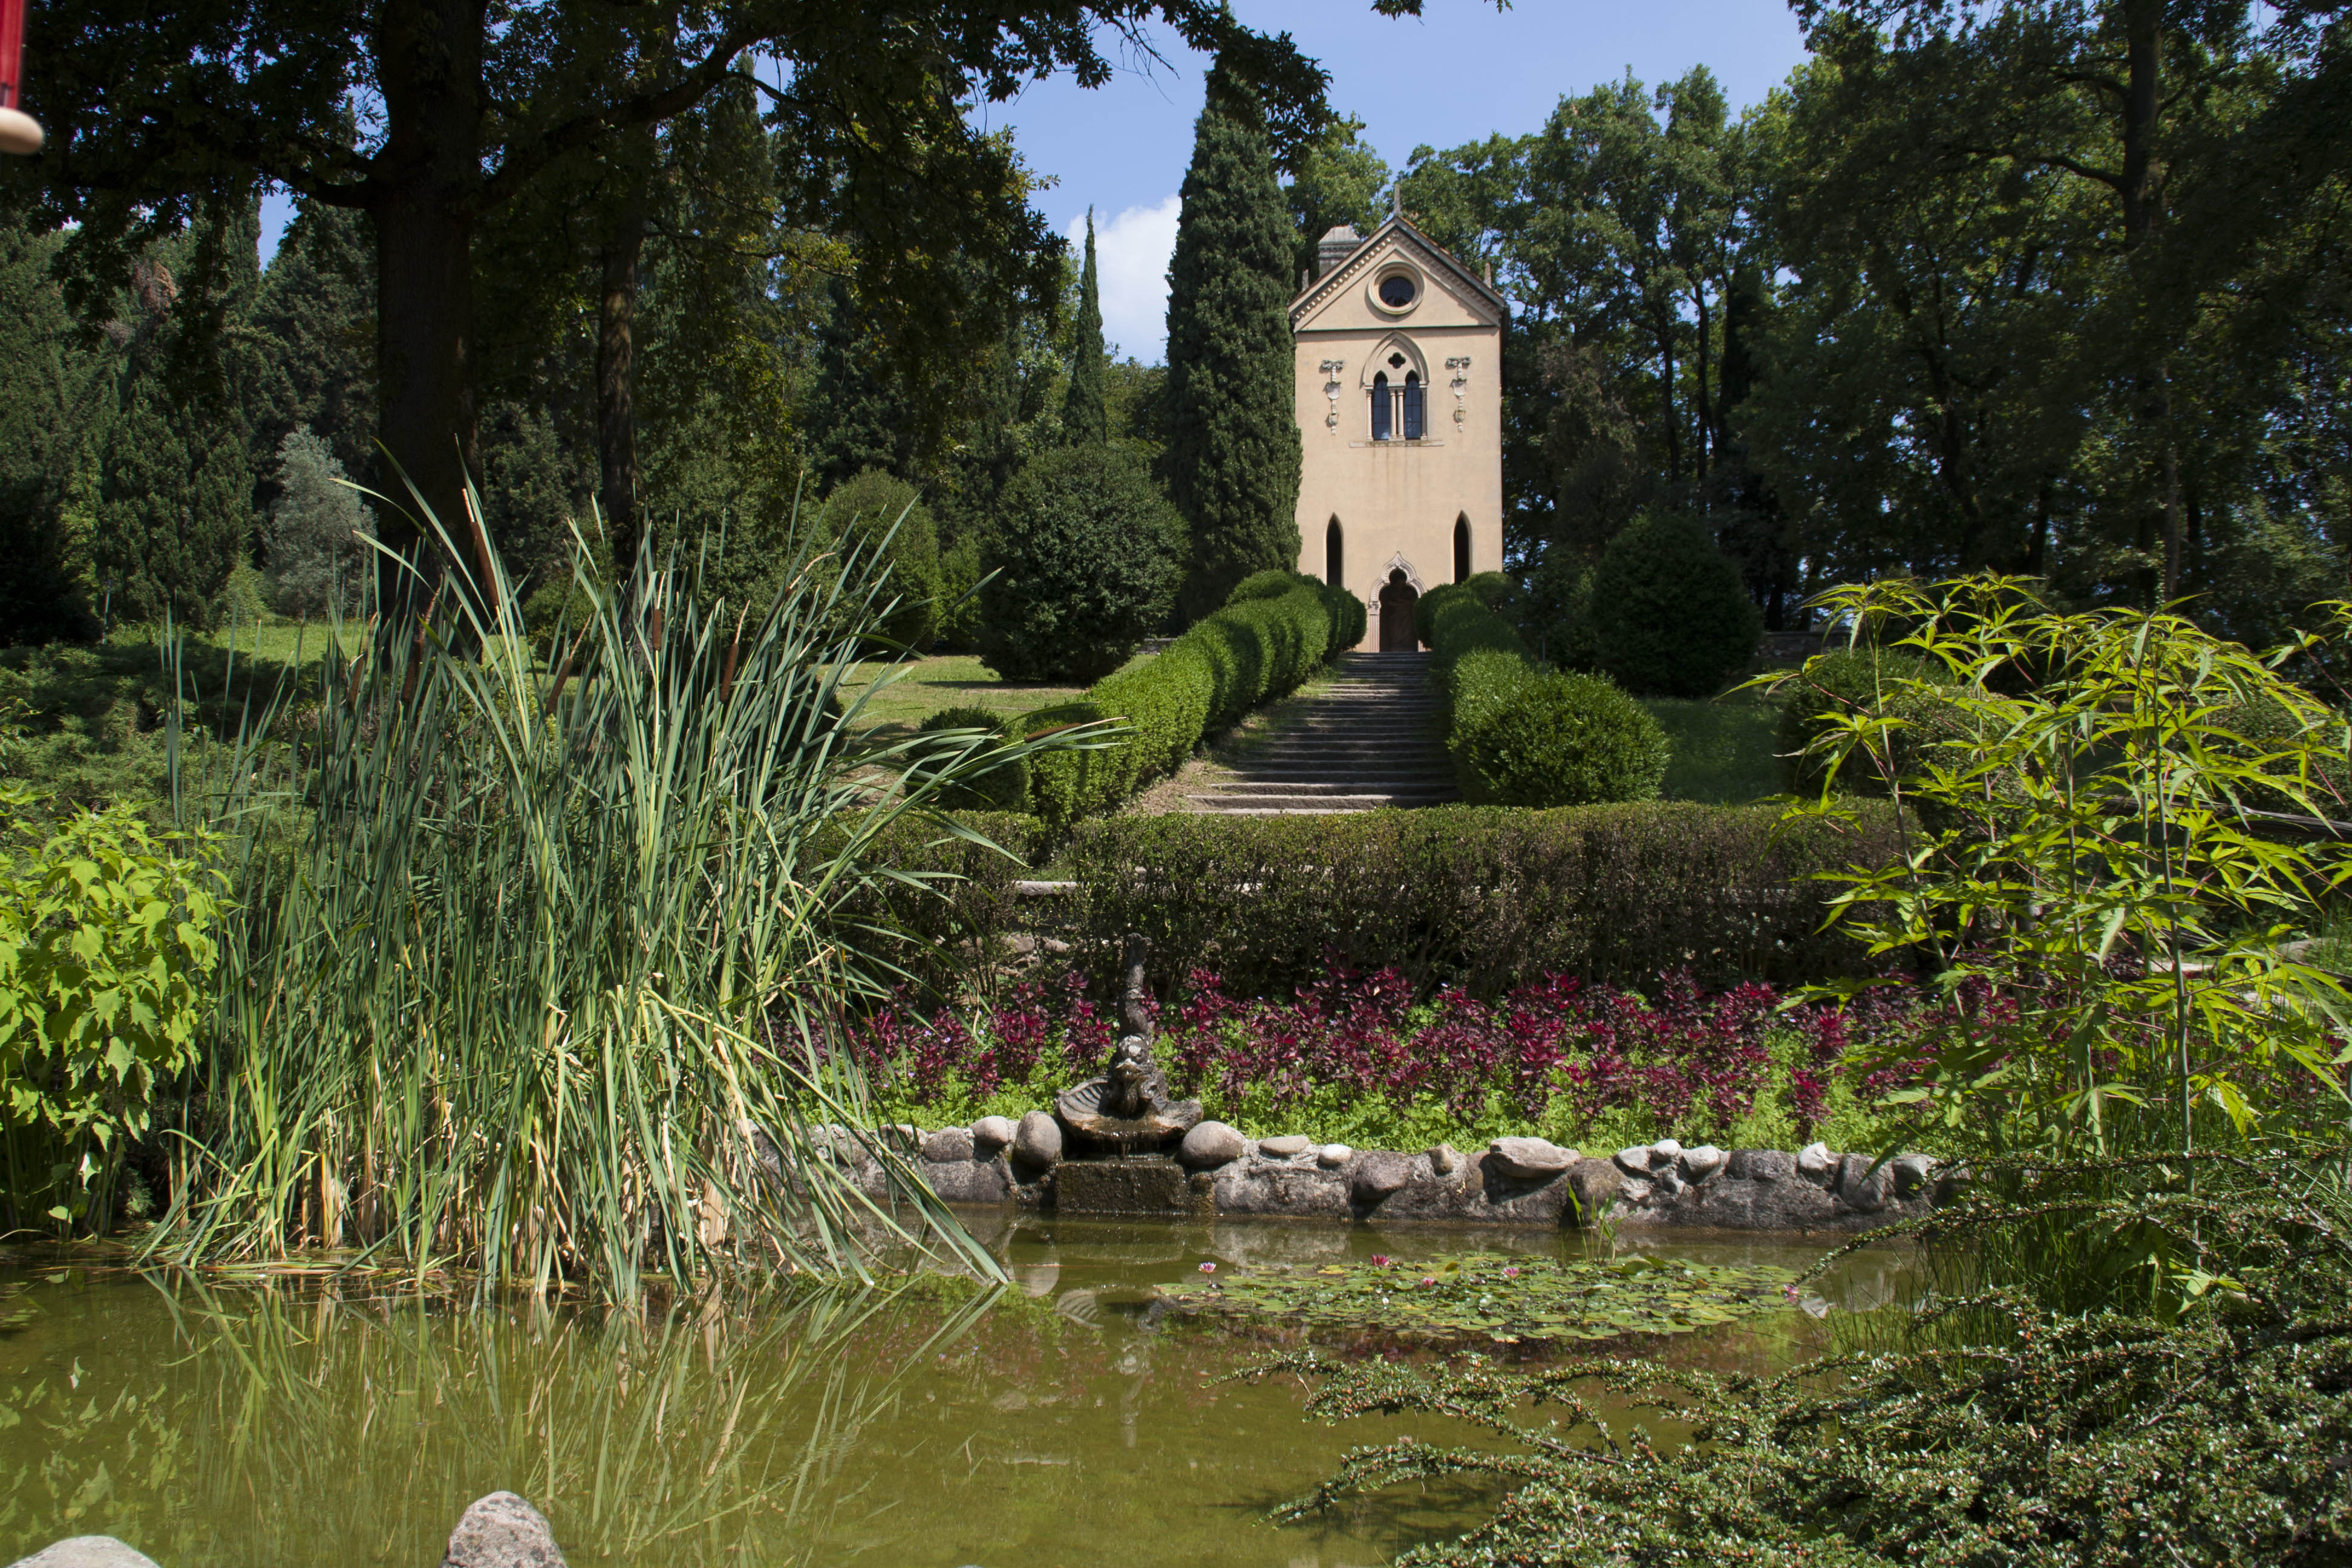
pixel 1670 615
pixel 1251 651
pixel 875 507
pixel 1086 551
pixel 1491 589
pixel 1847 681
pixel 1522 736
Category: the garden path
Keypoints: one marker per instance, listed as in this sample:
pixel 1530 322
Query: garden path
pixel 1370 738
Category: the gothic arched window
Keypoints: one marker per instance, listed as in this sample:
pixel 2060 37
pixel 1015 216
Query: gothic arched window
pixel 1413 423
pixel 1462 548
pixel 1380 406
pixel 1334 555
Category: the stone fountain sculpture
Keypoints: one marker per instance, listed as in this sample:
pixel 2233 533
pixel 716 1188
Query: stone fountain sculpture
pixel 1128 1111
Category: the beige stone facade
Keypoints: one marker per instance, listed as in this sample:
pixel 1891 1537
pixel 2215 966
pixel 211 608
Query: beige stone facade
pixel 1399 357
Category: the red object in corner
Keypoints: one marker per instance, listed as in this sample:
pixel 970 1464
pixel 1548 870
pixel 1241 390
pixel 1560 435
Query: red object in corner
pixel 12 54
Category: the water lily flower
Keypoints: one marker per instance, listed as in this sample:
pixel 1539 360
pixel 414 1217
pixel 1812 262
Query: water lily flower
pixel 1208 1269
pixel 1380 1260
pixel 1429 1280
pixel 1510 1274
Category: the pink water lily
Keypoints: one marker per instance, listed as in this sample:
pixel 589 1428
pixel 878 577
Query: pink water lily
pixel 1380 1260
pixel 1208 1269
pixel 1510 1274
pixel 1430 1280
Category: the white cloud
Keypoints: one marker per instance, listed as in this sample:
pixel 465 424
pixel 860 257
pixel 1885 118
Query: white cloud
pixel 1131 253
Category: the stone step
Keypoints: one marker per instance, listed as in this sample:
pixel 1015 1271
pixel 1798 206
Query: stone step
pixel 1332 787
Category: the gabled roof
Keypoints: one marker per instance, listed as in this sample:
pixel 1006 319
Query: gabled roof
pixel 1313 296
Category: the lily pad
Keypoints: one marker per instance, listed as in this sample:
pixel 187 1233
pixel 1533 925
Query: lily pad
pixel 1486 1294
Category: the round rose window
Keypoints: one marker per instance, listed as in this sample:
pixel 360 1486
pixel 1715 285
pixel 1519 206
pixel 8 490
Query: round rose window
pixel 1396 290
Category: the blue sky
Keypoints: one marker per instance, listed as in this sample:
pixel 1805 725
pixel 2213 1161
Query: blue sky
pixel 1458 74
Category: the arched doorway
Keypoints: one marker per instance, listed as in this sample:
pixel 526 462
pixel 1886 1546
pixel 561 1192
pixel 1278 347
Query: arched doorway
pixel 1462 548
pixel 1335 550
pixel 1397 600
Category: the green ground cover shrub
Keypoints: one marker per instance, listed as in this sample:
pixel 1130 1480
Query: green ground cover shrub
pixel 1004 787
pixel 1967 1426
pixel 1085 552
pixel 1670 615
pixel 1250 652
pixel 1522 735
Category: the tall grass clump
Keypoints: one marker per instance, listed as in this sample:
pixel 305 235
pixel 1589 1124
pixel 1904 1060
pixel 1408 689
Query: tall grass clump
pixel 540 968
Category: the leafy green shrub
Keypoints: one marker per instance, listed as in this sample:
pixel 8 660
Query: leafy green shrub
pixel 1851 682
pixel 1085 550
pixel 1482 898
pixel 1003 788
pixel 1670 615
pixel 1253 650
pixel 1523 736
pixel 1527 737
pixel 106 964
pixel 960 574
pixel 875 507
pixel 1491 589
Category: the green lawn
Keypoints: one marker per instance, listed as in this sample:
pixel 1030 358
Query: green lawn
pixel 949 680
pixel 1722 749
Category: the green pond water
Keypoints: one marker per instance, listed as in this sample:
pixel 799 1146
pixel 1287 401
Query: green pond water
pixel 928 1423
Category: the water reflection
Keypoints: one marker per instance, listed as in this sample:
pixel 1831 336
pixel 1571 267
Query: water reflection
pixel 1069 1419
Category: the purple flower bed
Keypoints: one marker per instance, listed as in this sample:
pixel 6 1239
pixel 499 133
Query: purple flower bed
pixel 1677 1052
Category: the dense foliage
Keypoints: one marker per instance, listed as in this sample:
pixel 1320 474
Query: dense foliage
pixel 109 939
pixel 1084 550
pixel 1843 684
pixel 1233 451
pixel 1084 416
pixel 1670 616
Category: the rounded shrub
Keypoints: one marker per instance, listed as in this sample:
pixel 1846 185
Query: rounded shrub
pixel 1523 736
pixel 1841 683
pixel 1001 788
pixel 1491 589
pixel 1084 550
pixel 1670 615
pixel 879 510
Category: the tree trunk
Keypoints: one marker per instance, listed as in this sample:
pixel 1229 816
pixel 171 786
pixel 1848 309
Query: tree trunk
pixel 616 316
pixel 1663 315
pixel 2143 103
pixel 430 66
pixel 1706 408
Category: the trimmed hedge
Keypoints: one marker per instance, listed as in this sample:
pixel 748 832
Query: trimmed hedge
pixel 1520 735
pixel 1670 615
pixel 1254 649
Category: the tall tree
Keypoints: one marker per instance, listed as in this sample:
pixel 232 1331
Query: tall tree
pixel 47 380
pixel 1233 452
pixel 1339 178
pixel 1083 419
pixel 467 105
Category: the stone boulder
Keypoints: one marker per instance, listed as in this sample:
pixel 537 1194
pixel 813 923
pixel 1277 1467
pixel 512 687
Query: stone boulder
pixel 1699 1164
pixel 86 1551
pixel 502 1530
pixel 1288 1146
pixel 1445 1160
pixel 1529 1159
pixel 1331 1156
pixel 1377 1174
pixel 990 1133
pixel 1817 1164
pixel 948 1144
pixel 1038 1141
pixel 1211 1143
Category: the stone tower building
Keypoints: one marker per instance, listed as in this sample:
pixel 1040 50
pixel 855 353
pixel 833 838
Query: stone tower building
pixel 1399 351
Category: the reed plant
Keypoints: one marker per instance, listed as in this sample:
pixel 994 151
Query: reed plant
pixel 539 965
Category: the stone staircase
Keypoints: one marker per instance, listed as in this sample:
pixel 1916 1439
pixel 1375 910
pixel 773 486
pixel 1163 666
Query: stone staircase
pixel 1369 739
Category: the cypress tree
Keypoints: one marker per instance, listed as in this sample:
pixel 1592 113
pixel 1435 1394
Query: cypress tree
pixel 1233 451
pixel 1083 419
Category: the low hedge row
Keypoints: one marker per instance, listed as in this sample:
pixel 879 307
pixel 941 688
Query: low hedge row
pixel 1258 648
pixel 1521 735
pixel 1478 898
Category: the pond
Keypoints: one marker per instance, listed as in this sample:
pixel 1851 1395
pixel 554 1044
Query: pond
pixel 1064 1420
